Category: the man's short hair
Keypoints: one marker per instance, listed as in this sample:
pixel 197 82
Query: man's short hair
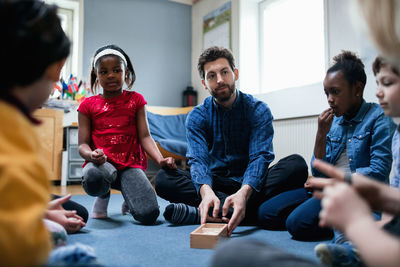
pixel 213 53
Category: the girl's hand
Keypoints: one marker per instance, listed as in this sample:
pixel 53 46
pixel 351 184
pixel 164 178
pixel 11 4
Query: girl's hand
pixel 56 204
pixel 98 157
pixel 378 195
pixel 168 162
pixel 341 206
pixel 67 218
pixel 325 120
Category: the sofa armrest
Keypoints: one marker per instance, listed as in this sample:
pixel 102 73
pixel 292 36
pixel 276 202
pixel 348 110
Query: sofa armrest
pixel 168 110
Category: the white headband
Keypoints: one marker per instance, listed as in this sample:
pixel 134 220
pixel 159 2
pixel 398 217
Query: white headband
pixel 109 51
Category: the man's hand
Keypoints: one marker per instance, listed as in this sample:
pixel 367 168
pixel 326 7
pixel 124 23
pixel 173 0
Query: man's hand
pixel 238 203
pixel 209 200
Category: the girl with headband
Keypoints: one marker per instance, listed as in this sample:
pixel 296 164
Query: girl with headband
pixel 114 136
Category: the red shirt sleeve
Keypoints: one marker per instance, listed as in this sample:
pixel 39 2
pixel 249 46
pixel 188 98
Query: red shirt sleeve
pixel 84 107
pixel 141 102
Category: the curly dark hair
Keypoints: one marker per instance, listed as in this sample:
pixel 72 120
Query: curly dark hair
pixel 32 40
pixel 212 54
pixel 131 76
pixel 351 66
pixel 380 62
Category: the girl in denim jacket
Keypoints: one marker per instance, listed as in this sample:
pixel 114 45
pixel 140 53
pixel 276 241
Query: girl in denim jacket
pixel 353 135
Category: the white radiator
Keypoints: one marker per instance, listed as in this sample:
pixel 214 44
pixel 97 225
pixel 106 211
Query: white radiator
pixel 298 136
pixel 295 136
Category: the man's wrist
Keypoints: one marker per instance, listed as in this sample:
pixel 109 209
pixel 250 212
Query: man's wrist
pixel 205 189
pixel 246 190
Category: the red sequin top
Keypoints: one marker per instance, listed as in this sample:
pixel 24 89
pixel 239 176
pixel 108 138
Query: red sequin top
pixel 114 128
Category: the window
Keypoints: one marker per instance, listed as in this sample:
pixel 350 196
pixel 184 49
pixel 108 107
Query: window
pixel 292 43
pixel 69 13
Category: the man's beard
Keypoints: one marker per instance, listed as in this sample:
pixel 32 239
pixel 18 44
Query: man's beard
pixel 221 98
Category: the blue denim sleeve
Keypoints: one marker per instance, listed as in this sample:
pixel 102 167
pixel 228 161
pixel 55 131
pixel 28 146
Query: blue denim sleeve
pixel 197 153
pixel 380 147
pixel 395 182
pixel 314 171
pixel 260 148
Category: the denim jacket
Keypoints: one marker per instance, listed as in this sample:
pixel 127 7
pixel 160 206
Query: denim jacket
pixel 396 158
pixel 367 138
pixel 234 143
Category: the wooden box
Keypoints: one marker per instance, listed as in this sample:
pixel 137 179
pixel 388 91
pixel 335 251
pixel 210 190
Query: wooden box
pixel 207 235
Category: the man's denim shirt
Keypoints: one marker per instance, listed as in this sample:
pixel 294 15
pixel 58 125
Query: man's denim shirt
pixel 234 143
pixel 367 138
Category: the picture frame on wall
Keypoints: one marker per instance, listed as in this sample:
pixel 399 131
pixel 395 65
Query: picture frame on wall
pixel 217 27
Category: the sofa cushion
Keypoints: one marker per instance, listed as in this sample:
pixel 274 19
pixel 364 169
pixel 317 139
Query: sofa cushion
pixel 169 131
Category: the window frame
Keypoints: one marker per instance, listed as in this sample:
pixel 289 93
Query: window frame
pixel 74 62
pixel 261 7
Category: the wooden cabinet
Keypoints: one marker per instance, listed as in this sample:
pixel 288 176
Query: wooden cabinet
pixel 50 133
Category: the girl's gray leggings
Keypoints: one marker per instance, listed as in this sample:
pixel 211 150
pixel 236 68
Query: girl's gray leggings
pixel 136 189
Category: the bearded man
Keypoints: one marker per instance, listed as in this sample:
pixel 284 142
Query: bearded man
pixel 229 150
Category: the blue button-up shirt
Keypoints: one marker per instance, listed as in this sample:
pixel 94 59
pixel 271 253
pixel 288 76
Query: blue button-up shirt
pixel 235 143
pixel 367 138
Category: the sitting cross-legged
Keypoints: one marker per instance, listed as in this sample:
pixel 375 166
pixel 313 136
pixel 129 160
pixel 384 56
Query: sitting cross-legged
pixel 352 134
pixel 230 150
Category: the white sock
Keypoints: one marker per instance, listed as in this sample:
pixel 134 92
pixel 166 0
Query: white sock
pixel 99 210
pixel 125 209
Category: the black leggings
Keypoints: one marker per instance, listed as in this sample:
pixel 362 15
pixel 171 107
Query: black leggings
pixel 288 173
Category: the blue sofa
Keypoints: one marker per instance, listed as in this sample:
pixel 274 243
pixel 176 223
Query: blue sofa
pixel 167 127
pixel 169 133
